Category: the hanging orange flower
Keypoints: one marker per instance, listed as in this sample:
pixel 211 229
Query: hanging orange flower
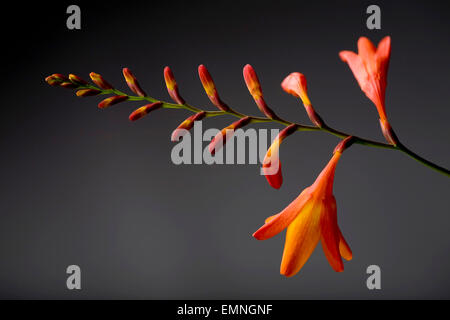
pixel 370 68
pixel 310 218
pixel 271 162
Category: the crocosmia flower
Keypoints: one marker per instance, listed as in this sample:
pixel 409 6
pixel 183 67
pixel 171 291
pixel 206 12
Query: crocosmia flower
pixel 295 84
pixel 370 68
pixel 272 163
pixel 310 218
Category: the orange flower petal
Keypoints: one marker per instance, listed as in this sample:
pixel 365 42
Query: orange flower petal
pixel 330 235
pixel 384 52
pixel 275 180
pixel 357 66
pixel 366 50
pixel 344 248
pixel 284 218
pixel 302 237
pixel 271 218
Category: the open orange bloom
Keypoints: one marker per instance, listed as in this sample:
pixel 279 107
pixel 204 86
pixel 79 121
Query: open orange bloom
pixel 310 218
pixel 370 68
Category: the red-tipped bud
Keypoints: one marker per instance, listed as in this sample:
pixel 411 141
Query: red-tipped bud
pixel 56 79
pixel 112 101
pixel 133 83
pixel 187 125
pixel 226 133
pixel 254 86
pixel 68 85
pixel 210 88
pixel 52 81
pixel 77 80
pixel 172 86
pixel 100 82
pixel 143 111
pixel 388 132
pixel 272 163
pixel 344 144
pixel 88 92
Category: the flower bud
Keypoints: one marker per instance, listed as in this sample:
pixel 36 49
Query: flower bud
pixel 172 86
pixel 100 82
pixel 295 84
pixel 112 101
pixel 77 80
pixel 254 86
pixel 88 92
pixel 132 82
pixel 69 85
pixel 186 125
pixel 272 163
pixel 56 79
pixel 143 111
pixel 226 133
pixel 210 88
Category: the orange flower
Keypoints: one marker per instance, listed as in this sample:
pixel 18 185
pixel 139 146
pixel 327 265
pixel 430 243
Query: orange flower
pixel 295 84
pixel 310 218
pixel 370 68
pixel 271 162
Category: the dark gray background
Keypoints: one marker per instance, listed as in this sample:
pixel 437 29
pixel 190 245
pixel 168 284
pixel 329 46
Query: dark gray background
pixel 87 187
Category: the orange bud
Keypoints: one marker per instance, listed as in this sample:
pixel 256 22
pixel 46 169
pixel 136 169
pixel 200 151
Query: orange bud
pixel 254 86
pixel 100 82
pixel 226 133
pixel 274 180
pixel 272 163
pixel 295 84
pixel 56 79
pixel 186 125
pixel 112 101
pixel 52 81
pixel 132 82
pixel 210 88
pixel 77 80
pixel 143 111
pixel 68 85
pixel 88 92
pixel 172 86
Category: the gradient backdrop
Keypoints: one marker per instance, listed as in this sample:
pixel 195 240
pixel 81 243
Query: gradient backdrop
pixel 84 186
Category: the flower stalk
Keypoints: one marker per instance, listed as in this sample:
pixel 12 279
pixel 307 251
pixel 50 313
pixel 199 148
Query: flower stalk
pixel 85 90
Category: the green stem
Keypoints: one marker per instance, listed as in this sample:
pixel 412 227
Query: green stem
pixel 300 127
